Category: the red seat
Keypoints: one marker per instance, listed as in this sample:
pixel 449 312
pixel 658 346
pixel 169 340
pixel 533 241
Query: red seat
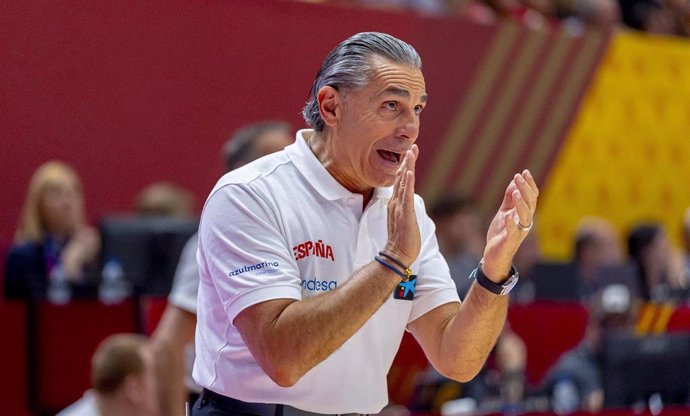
pixel 548 330
pixel 407 365
pixel 65 338
pixel 13 383
pixel 680 320
pixel 152 309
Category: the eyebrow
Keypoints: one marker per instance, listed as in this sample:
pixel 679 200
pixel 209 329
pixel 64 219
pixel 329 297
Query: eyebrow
pixel 400 92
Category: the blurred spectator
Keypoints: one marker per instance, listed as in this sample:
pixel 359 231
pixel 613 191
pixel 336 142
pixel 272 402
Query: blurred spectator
pixel 685 280
pixel 461 237
pixel 657 265
pixel 53 241
pixel 426 7
pixel 668 17
pixel 528 255
pixel 681 9
pixel 123 380
pixel 597 247
pixel 577 15
pixel 532 14
pixel 165 199
pixel 576 382
pixel 254 141
pixel 589 12
pixel 174 336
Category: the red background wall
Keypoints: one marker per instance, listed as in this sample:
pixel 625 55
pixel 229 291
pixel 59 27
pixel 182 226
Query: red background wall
pixel 130 93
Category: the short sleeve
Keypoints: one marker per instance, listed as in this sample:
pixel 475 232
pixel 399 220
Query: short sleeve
pixel 242 250
pixel 186 282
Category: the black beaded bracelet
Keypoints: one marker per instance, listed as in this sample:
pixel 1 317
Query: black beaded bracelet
pixel 406 270
pixel 395 270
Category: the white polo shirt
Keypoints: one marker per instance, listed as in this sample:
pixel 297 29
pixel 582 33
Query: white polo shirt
pixel 283 227
pixel 183 294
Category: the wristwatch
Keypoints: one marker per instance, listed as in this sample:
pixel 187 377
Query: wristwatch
pixel 497 288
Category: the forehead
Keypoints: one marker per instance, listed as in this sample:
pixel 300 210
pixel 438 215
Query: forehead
pixel 391 77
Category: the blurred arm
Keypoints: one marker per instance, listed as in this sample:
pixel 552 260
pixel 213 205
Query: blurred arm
pixel 170 338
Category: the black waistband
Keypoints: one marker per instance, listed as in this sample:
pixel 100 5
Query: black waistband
pixel 239 407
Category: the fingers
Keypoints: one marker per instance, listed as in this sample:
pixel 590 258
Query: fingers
pixel 403 230
pixel 397 182
pixel 507 202
pixel 409 163
pixel 530 181
pixel 407 166
pixel 525 198
pixel 524 214
pixel 408 190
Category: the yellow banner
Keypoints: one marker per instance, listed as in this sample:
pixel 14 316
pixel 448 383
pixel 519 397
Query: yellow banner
pixel 627 156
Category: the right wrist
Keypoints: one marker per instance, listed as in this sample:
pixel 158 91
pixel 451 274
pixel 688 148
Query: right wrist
pixel 395 264
pixel 399 257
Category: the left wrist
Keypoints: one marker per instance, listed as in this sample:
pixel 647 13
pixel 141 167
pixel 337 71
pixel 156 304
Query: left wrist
pixel 497 273
pixel 501 288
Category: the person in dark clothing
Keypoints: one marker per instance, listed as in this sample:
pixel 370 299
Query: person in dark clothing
pixel 53 239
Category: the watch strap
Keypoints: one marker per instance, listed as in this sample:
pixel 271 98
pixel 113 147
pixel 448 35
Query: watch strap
pixel 501 289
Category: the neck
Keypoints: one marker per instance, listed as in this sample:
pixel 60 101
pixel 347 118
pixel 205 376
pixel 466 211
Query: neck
pixel 321 144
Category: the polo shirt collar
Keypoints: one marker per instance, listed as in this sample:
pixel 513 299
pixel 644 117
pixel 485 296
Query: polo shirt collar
pixel 309 165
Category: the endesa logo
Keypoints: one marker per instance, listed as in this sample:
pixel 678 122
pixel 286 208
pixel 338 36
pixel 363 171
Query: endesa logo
pixel 319 285
pixel 310 248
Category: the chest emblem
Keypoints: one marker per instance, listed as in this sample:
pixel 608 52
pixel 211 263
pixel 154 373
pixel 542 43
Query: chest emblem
pixel 311 248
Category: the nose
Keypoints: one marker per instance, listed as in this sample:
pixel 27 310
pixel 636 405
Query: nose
pixel 409 126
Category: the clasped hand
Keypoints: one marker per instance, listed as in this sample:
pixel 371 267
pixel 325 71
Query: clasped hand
pixel 510 225
pixel 506 232
pixel 404 241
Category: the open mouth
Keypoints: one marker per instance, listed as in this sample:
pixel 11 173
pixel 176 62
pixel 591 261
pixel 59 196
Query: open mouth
pixel 390 156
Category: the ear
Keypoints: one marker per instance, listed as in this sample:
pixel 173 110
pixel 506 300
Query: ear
pixel 329 101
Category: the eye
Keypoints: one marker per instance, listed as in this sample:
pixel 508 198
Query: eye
pixel 418 109
pixel 391 105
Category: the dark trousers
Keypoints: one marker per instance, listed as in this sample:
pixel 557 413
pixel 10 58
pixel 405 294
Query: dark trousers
pixel 214 404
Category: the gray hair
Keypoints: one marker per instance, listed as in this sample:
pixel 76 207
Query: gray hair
pixel 348 66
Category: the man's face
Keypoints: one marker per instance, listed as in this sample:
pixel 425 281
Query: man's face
pixel 378 123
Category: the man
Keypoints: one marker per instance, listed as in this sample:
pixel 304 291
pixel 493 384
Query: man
pixel 296 308
pixel 575 382
pixel 122 376
pixel 461 236
pixel 597 244
pixel 174 336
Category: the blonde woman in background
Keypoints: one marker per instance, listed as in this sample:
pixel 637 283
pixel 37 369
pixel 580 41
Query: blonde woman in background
pixel 52 235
